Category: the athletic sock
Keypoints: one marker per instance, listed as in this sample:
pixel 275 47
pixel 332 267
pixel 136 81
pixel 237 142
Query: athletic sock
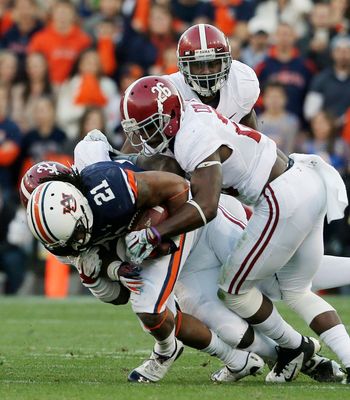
pixel 264 346
pixel 337 339
pixel 277 329
pixel 166 347
pixel 235 359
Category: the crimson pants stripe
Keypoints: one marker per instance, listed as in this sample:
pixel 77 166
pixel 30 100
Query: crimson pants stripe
pixel 262 241
pixel 232 218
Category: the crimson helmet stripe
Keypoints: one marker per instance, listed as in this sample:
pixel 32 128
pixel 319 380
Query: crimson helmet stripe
pixel 202 37
pixel 126 99
pixel 38 218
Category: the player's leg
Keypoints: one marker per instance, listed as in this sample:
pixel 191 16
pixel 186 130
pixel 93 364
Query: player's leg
pixel 333 272
pixel 196 294
pixel 281 220
pixel 295 282
pixel 238 364
pixel 150 304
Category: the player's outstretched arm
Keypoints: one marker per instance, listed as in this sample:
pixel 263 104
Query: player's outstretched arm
pixel 206 184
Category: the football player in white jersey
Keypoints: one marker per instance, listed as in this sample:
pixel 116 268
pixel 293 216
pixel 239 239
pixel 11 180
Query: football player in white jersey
pixel 197 284
pixel 284 234
pixel 208 74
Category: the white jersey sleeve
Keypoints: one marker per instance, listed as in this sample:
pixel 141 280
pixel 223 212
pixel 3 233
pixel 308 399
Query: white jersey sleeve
pixel 89 152
pixel 237 96
pixel 203 130
pixel 239 93
pixel 196 140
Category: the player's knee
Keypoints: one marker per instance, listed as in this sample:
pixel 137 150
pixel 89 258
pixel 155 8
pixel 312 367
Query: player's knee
pixel 150 321
pixel 230 334
pixel 245 304
pixel 306 303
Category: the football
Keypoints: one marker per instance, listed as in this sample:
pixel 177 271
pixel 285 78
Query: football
pixel 147 218
pixel 153 217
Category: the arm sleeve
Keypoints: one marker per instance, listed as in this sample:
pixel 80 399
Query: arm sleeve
pixel 248 89
pixel 87 153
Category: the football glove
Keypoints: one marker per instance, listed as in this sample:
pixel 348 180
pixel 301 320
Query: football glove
pixel 89 266
pixel 127 274
pixel 96 136
pixel 140 244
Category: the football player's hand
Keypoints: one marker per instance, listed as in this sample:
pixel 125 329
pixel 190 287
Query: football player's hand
pixel 96 136
pixel 128 274
pixel 89 266
pixel 140 244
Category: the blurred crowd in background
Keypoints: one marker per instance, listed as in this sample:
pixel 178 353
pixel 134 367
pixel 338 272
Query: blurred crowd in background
pixel 64 65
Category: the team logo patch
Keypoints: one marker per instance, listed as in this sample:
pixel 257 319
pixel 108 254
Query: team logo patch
pixel 69 203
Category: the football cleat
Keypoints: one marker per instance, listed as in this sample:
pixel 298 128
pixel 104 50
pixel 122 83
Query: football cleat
pixel 155 368
pixel 346 380
pixel 253 366
pixel 322 369
pixel 290 361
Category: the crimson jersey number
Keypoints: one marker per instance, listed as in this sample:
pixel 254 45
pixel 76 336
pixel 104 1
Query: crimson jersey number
pixel 251 133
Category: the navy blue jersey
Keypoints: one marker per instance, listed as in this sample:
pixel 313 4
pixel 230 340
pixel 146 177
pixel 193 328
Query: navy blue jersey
pixel 111 191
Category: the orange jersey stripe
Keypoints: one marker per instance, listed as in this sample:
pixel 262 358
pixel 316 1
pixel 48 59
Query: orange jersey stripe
pixel 132 181
pixel 173 275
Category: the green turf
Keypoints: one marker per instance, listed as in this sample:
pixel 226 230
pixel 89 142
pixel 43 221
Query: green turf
pixel 80 348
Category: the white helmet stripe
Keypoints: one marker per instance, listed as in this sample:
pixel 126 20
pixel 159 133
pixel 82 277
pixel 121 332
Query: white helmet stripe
pixel 126 99
pixel 202 36
pixel 24 189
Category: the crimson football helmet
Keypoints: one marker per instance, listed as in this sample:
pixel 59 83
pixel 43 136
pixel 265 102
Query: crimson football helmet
pixel 32 178
pixel 204 46
pixel 151 110
pixel 59 215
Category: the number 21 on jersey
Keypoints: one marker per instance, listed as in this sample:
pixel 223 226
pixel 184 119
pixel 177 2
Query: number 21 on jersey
pixel 102 193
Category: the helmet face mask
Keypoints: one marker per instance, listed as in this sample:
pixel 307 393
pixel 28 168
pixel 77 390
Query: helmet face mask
pixel 204 47
pixel 59 215
pixel 151 109
pixel 148 135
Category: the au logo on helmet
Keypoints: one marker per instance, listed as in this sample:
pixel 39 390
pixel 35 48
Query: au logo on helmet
pixel 69 203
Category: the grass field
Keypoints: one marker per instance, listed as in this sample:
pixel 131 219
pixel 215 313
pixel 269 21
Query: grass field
pixel 80 348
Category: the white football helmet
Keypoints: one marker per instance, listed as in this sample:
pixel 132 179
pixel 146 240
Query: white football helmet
pixel 59 215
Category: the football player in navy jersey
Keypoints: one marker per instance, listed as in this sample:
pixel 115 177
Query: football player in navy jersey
pixel 73 212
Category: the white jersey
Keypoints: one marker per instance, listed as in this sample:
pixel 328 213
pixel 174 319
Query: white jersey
pixel 237 96
pixel 202 131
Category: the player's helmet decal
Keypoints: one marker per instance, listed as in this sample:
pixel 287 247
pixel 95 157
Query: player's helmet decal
pixel 151 111
pixel 33 176
pixel 55 226
pixel 204 45
pixel 69 203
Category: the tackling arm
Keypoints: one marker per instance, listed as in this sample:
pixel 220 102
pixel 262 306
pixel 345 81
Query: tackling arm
pixel 205 187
